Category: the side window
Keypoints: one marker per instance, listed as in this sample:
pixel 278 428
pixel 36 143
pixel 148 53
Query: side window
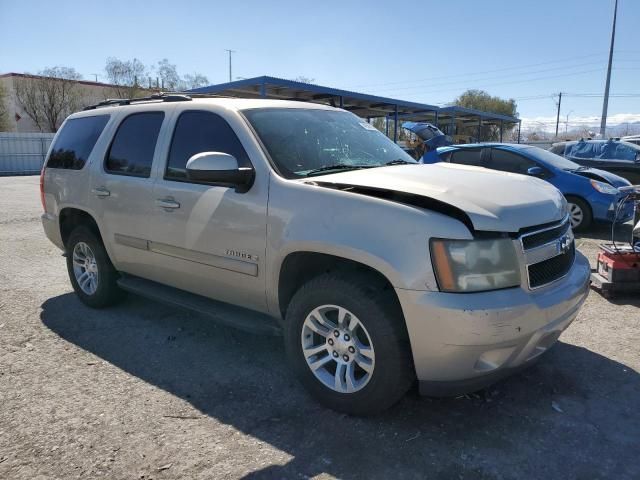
pixel 509 162
pixel 196 132
pixel 131 151
pixel 557 149
pixel 76 141
pixel 466 157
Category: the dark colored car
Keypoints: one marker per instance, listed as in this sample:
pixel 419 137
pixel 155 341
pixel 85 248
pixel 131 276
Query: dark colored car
pixel 615 156
pixel 592 195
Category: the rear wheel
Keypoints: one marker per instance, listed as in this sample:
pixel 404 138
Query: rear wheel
pixel 348 344
pixel 92 274
pixel 579 213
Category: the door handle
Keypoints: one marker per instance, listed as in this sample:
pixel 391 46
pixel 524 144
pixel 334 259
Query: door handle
pixel 101 192
pixel 169 203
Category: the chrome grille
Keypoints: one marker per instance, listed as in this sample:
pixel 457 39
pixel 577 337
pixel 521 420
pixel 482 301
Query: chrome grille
pixel 549 253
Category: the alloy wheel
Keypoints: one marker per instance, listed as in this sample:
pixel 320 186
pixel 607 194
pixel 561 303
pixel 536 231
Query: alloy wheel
pixel 338 349
pixel 85 268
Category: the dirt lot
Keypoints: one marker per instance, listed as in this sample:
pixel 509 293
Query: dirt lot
pixel 145 391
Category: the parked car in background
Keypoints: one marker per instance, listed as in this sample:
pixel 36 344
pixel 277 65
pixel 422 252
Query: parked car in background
pixel 635 139
pixel 592 194
pixel 615 156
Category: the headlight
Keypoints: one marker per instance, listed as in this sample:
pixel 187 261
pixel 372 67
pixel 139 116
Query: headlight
pixel 604 187
pixel 475 265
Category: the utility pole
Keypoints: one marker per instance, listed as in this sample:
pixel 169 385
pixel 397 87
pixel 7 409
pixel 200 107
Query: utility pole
pixel 605 103
pixel 558 114
pixel 230 52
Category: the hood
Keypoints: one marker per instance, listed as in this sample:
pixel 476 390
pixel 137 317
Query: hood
pixel 428 133
pixel 493 201
pixel 602 176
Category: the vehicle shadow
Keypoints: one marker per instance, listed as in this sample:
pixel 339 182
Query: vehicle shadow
pixel 573 412
pixel 602 233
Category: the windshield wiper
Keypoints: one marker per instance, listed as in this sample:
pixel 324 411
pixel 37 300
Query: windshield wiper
pixel 400 162
pixel 338 166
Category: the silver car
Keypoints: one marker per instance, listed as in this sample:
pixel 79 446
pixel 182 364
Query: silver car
pixel 303 220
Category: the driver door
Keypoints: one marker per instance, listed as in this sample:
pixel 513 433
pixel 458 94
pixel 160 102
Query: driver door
pixel 206 239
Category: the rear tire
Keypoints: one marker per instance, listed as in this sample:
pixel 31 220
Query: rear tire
pixel 92 275
pixel 579 214
pixel 365 360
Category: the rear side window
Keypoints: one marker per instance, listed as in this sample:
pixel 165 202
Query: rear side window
pixel 198 132
pixel 76 141
pixel 131 152
pixel 557 149
pixel 466 157
pixel 509 162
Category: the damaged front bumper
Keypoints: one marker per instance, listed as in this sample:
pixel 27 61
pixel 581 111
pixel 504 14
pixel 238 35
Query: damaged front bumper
pixel 463 342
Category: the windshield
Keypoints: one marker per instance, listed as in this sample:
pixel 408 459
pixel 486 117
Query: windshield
pixel 552 159
pixel 303 141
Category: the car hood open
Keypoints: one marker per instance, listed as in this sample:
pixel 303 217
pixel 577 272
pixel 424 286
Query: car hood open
pixel 492 201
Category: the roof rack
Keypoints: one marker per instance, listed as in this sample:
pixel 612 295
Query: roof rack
pixel 162 97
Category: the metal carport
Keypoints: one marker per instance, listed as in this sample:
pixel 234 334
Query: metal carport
pixel 362 104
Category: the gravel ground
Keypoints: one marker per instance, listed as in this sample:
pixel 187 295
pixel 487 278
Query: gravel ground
pixel 145 391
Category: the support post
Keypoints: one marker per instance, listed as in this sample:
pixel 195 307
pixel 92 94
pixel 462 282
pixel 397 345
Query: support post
pixel 558 114
pixel 479 129
pixel 341 101
pixel 501 126
pixel 386 125
pixel 452 126
pixel 395 124
pixel 519 125
pixel 436 120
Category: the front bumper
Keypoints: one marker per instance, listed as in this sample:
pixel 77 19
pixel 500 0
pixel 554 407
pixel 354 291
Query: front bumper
pixel 463 342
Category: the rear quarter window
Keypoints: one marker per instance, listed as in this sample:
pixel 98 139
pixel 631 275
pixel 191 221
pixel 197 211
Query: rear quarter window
pixel 76 141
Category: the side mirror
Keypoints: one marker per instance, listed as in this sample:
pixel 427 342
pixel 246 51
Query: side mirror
pixel 535 172
pixel 217 168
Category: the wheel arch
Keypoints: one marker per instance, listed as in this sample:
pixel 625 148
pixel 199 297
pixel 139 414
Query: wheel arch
pixel 299 267
pixel 72 217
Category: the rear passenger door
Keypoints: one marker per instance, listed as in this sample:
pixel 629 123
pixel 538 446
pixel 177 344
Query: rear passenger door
pixel 209 239
pixel 121 190
pixel 467 156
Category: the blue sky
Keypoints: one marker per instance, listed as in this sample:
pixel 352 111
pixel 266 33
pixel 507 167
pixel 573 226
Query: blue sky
pixel 428 52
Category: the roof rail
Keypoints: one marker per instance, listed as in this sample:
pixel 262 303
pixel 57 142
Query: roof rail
pixel 162 97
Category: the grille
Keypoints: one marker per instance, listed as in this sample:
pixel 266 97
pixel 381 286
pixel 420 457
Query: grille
pixel 551 269
pixel 536 239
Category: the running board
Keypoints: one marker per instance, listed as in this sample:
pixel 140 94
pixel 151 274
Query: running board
pixel 223 313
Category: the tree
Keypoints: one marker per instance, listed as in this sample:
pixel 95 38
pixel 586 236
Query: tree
pixel 49 97
pixel 303 79
pixel 170 80
pixel 481 100
pixel 4 110
pixel 125 76
pixel 196 80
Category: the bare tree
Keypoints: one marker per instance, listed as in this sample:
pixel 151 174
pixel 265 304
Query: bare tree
pixel 168 75
pixel 4 109
pixel 125 76
pixel 303 79
pixel 49 97
pixel 196 80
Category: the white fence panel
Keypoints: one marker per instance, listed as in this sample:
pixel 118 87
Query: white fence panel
pixel 23 153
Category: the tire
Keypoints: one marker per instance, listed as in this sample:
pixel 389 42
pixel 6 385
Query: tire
pixel 581 208
pixel 83 243
pixel 380 323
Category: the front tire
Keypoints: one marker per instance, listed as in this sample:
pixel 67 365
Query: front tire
pixel 579 214
pixel 92 275
pixel 348 344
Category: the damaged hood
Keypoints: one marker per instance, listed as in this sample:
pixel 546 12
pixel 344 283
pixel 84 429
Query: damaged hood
pixel 602 176
pixel 493 201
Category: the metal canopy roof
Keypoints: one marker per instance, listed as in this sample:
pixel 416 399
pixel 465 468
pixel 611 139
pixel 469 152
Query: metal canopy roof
pixel 361 104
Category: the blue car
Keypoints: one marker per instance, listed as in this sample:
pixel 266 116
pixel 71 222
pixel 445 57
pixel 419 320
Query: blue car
pixel 592 194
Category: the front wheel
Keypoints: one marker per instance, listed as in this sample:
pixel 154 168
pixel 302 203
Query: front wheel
pixel 579 214
pixel 348 344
